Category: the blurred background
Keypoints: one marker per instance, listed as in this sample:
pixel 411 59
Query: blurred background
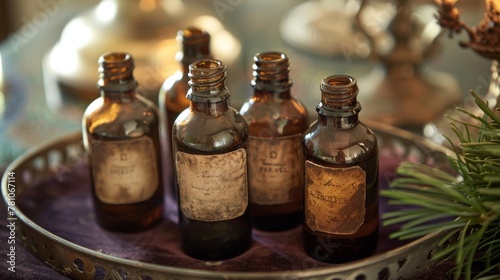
pixel 410 73
pixel 13 14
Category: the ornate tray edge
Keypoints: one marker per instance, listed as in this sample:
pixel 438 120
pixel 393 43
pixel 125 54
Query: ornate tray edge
pixel 74 260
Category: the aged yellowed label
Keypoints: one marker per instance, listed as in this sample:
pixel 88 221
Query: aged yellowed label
pixel 334 198
pixel 124 171
pixel 275 169
pixel 212 187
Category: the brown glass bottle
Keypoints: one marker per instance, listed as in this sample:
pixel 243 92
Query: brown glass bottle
pixel 194 44
pixel 209 145
pixel 276 122
pixel 120 134
pixel 341 218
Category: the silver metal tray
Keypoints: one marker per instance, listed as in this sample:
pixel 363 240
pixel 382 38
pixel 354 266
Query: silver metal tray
pixel 60 157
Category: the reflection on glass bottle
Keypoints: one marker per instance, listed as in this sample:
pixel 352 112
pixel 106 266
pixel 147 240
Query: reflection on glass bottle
pixel 120 134
pixel 341 216
pixel 209 144
pixel 276 122
pixel 194 44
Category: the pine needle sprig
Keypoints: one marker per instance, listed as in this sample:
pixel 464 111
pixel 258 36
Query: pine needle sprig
pixel 464 206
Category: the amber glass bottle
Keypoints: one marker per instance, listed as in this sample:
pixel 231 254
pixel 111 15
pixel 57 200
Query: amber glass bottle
pixel 276 122
pixel 209 144
pixel 120 134
pixel 194 44
pixel 341 218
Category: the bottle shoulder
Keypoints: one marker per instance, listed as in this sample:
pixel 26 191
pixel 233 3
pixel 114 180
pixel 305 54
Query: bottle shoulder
pixel 174 83
pixel 129 107
pixel 284 118
pixel 292 105
pixel 336 145
pixel 120 118
pixel 321 132
pixel 205 132
pixel 170 80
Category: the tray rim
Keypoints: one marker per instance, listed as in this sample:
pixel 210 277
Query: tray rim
pixel 72 137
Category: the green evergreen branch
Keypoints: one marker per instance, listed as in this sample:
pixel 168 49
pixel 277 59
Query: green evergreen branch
pixel 464 206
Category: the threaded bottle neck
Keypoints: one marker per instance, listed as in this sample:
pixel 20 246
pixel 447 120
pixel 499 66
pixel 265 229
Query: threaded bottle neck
pixel 207 81
pixel 270 72
pixel 194 44
pixel 338 96
pixel 116 72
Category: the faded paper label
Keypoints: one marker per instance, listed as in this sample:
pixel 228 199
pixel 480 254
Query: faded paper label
pixel 124 171
pixel 212 187
pixel 334 198
pixel 275 169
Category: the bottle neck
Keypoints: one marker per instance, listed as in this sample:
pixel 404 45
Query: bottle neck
pixel 266 95
pixel 338 106
pixel 184 68
pixel 210 108
pixel 271 74
pixel 338 122
pixel 207 82
pixel 186 61
pixel 118 95
pixel 116 80
pixel 194 44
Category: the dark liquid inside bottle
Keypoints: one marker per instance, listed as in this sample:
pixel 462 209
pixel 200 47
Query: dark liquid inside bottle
pixel 283 216
pixel 121 136
pixel 217 240
pixel 276 121
pixel 194 44
pixel 212 242
pixel 209 184
pixel 129 217
pixel 344 248
pixel 341 215
pixel 286 216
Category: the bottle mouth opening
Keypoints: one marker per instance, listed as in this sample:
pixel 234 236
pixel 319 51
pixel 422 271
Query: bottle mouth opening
pixel 271 56
pixel 192 34
pixel 207 65
pixel 115 57
pixel 271 63
pixel 339 88
pixel 191 31
pixel 338 82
